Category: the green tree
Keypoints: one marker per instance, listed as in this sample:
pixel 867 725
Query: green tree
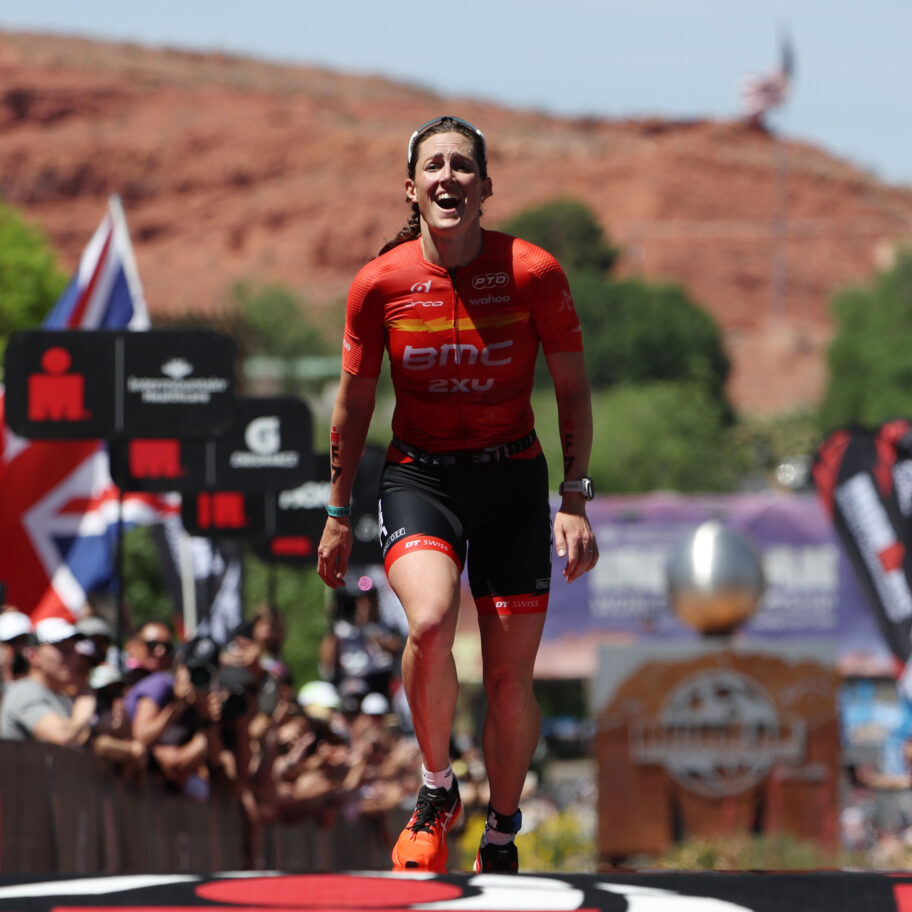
pixel 653 436
pixel 870 369
pixel 635 331
pixel 568 231
pixel 30 279
pixel 639 332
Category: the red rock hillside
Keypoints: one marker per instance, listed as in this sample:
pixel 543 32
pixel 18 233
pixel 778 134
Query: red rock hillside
pixel 230 167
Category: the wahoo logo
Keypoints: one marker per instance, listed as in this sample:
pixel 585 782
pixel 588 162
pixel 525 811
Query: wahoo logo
pixel 421 287
pixel 490 299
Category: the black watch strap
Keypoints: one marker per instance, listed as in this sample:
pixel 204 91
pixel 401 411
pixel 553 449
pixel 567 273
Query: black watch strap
pixel 580 486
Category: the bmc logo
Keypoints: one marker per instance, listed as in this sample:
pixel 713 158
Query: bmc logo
pixel 417 358
pixel 491 280
pixel 421 287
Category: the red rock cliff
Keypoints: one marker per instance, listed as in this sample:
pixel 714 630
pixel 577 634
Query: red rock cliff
pixel 230 167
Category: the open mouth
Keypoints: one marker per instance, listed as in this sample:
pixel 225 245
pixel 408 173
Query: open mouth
pixel 447 202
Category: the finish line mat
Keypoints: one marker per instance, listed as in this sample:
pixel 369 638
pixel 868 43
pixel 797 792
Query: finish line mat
pixel 379 892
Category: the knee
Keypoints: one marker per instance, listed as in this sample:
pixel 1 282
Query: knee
pixel 432 633
pixel 509 693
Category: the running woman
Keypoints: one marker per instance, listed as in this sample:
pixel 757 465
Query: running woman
pixel 461 313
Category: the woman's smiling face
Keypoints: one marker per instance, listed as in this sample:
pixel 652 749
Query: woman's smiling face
pixel 448 186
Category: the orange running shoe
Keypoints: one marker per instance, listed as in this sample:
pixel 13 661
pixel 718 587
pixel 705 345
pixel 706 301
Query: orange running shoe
pixel 422 845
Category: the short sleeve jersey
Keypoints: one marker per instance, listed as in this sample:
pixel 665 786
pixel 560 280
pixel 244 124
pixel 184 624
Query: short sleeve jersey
pixel 25 703
pixel 462 345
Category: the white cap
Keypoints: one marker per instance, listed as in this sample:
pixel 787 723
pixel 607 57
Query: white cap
pixel 319 693
pixel 14 624
pixel 375 704
pixel 55 630
pixel 102 675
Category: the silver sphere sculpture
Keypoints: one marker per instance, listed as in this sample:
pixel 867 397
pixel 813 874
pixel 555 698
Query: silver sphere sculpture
pixel 715 579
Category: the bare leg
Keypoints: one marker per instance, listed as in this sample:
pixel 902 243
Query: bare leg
pixel 513 721
pixel 427 584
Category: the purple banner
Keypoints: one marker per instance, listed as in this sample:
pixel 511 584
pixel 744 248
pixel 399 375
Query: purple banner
pixel 811 587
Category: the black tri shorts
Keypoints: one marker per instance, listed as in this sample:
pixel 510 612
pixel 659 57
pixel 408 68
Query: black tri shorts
pixel 496 513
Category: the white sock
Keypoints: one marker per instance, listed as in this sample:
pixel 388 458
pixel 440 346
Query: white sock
pixel 443 779
pixel 495 837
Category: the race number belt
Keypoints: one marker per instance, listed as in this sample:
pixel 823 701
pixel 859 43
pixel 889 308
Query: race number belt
pixel 467 457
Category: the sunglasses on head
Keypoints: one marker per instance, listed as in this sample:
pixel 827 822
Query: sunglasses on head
pixel 437 120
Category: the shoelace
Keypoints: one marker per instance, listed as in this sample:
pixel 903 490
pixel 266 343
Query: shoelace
pixel 429 806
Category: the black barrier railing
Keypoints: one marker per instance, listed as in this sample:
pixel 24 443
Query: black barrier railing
pixel 67 812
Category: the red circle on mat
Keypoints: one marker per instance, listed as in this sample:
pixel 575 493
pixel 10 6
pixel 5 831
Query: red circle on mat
pixel 336 891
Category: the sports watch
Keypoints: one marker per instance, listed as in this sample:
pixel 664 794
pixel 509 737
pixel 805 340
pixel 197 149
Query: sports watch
pixel 581 486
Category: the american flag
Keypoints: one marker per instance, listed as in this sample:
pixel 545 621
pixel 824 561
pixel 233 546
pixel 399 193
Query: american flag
pixel 765 91
pixel 59 509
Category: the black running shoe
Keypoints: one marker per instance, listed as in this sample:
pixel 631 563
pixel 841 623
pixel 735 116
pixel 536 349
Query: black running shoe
pixel 497 859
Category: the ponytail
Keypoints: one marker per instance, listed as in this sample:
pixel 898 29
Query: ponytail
pixel 410 231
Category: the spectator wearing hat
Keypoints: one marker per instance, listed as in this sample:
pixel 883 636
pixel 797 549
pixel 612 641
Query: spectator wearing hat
pixel 39 706
pixel 97 631
pixel 111 737
pixel 15 635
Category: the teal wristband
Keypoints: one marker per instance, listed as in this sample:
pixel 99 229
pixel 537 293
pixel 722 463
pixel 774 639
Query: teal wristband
pixel 338 511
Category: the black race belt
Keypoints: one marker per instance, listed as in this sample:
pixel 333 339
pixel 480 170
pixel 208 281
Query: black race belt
pixel 467 457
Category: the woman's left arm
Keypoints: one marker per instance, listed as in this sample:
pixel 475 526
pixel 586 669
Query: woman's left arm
pixel 573 536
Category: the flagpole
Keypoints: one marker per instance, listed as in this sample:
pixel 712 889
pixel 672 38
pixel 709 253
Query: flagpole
pixel 119 557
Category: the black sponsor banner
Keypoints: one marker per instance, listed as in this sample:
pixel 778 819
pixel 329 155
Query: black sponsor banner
pixel 228 514
pixel 268 448
pixel 72 384
pixel 167 464
pixel 300 514
pixel 864 478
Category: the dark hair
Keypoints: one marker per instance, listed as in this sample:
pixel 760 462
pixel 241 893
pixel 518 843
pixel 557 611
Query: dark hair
pixel 412 228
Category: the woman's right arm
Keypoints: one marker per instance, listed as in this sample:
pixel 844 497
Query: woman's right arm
pixel 350 422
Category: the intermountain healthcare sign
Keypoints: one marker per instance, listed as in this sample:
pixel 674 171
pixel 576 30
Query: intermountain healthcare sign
pixel 811 588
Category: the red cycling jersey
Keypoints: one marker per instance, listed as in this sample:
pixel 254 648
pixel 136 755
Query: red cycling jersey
pixel 462 345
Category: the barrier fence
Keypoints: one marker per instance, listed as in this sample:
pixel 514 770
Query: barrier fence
pixel 66 812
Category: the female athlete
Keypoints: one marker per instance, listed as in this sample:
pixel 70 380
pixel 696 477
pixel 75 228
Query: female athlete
pixel 461 312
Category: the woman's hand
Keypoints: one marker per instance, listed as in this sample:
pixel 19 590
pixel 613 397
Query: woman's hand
pixel 334 550
pixel 574 538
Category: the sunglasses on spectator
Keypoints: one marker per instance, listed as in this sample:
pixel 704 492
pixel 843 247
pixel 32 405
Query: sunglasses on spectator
pixel 153 644
pixel 437 120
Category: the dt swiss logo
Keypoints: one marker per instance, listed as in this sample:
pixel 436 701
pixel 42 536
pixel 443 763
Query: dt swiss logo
pixel 421 287
pixel 490 280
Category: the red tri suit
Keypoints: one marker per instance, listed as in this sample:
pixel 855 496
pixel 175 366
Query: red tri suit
pixel 462 349
pixel 462 346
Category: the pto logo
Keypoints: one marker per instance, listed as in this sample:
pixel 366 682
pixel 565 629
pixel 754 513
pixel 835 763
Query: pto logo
pixel 491 280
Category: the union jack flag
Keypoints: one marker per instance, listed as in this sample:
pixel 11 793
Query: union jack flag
pixel 59 509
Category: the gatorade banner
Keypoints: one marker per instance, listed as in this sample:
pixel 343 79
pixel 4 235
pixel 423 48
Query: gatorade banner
pixel 864 479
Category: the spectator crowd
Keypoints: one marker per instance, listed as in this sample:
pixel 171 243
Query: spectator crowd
pixel 198 715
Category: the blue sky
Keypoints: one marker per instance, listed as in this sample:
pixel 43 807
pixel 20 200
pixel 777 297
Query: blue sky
pixel 644 57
